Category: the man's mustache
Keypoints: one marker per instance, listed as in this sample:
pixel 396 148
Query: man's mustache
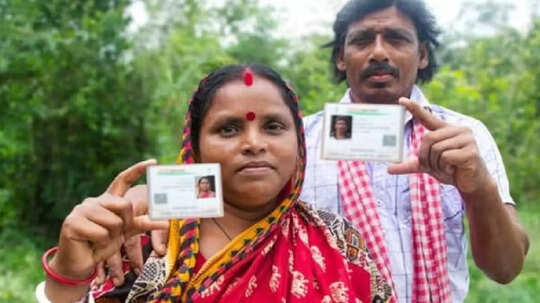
pixel 380 68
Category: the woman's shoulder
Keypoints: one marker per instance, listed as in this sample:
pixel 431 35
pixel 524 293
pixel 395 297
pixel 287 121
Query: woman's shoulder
pixel 348 239
pixel 350 243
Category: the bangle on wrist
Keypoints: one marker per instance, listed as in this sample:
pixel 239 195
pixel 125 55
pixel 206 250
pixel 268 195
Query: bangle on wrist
pixel 59 278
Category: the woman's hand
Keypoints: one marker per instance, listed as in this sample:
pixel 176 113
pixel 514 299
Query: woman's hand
pixel 98 227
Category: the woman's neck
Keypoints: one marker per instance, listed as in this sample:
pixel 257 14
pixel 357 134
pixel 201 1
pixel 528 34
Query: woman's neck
pixel 236 219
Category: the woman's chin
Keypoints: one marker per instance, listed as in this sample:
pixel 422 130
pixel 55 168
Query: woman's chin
pixel 253 202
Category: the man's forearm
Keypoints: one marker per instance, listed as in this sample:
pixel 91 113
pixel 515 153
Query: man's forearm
pixel 498 241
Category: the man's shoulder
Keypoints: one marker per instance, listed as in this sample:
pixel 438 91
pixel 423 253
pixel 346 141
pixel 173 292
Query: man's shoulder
pixel 313 118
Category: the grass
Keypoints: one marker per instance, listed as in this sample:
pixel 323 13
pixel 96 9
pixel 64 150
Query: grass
pixel 20 268
pixel 526 286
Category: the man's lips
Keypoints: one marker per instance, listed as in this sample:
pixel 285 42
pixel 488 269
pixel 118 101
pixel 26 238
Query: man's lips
pixel 381 77
pixel 380 72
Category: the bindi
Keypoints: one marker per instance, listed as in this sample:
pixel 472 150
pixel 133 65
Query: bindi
pixel 250 116
pixel 248 77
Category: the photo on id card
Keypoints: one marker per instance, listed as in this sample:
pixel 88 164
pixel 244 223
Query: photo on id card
pixel 184 191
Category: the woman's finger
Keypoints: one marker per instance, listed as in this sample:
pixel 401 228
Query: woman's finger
pixel 134 253
pixel 143 224
pixel 125 179
pixel 159 239
pixel 114 264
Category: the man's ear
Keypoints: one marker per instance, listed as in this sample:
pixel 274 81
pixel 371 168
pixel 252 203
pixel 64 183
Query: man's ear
pixel 340 63
pixel 424 55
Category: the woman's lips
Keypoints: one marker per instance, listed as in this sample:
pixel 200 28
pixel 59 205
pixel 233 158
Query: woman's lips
pixel 255 168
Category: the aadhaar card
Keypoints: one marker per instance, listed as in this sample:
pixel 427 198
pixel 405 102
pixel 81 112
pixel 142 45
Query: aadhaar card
pixel 184 191
pixel 363 132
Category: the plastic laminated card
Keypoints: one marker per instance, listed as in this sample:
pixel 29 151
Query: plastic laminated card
pixel 363 132
pixel 184 191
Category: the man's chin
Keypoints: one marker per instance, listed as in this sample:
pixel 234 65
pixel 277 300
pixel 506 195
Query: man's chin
pixel 378 96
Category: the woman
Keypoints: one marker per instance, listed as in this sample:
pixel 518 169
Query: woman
pixel 269 246
pixel 204 189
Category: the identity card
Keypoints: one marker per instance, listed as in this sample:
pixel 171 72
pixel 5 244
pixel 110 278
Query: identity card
pixel 184 191
pixel 363 132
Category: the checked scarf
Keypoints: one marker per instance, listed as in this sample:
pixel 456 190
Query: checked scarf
pixel 431 281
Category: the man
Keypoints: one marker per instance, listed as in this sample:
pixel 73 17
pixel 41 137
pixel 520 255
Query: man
pixel 341 130
pixel 382 48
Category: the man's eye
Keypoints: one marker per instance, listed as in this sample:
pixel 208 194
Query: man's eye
pixel 360 41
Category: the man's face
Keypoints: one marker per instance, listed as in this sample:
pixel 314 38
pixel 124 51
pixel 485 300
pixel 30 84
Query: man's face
pixel 381 57
pixel 341 127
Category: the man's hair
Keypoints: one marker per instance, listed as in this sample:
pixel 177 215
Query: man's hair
pixel 424 22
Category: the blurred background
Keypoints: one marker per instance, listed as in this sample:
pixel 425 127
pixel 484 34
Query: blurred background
pixel 89 87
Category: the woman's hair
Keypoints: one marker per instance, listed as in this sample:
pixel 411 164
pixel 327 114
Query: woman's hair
pixel 203 178
pixel 424 22
pixel 203 97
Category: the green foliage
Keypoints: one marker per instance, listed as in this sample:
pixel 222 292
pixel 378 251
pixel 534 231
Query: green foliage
pixel 81 99
pixel 526 286
pixel 72 116
pixel 311 75
pixel 494 79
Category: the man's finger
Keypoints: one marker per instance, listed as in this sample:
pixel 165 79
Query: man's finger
pixel 134 253
pixel 424 116
pixel 123 181
pixel 159 238
pixel 410 166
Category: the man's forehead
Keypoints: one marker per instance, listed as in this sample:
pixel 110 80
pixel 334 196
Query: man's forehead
pixel 384 19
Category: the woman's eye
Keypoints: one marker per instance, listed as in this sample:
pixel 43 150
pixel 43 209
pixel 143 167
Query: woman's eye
pixel 275 127
pixel 228 130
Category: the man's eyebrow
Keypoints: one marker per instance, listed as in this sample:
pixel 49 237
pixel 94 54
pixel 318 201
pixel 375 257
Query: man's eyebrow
pixel 367 32
pixel 359 33
pixel 400 32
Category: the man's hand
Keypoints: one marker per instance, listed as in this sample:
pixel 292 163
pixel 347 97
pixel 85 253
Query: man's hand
pixel 448 153
pixel 138 196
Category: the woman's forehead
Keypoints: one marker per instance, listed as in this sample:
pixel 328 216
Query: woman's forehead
pixel 236 97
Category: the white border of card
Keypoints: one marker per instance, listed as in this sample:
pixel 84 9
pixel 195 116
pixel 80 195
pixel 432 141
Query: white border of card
pixel 172 191
pixel 375 132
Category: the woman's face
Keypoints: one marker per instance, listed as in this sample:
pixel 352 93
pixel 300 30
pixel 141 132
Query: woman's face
pixel 204 185
pixel 258 157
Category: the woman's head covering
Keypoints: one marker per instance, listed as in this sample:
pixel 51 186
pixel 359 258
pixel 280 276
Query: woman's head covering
pixel 183 248
pixel 290 255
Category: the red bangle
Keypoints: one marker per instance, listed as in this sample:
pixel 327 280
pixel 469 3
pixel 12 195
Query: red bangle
pixel 59 278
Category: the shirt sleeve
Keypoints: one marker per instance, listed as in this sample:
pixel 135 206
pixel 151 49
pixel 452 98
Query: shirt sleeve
pixel 492 157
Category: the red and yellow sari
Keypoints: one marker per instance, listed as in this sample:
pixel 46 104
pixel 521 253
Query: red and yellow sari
pixel 295 254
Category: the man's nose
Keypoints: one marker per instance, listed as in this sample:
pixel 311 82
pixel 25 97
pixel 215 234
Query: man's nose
pixel 379 52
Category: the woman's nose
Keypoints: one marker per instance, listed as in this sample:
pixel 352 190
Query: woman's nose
pixel 253 141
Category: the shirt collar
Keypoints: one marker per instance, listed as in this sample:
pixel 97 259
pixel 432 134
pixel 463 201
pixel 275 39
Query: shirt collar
pixel 416 96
